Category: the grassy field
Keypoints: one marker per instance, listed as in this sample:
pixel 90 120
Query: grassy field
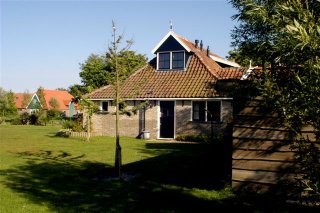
pixel 43 173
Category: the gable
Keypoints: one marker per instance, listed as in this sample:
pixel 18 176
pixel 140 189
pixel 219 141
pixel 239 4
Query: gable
pixel 34 103
pixel 171 44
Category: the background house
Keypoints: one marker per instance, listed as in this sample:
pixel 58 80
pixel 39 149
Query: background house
pixel 54 99
pixel 60 100
pixel 27 102
pixel 180 87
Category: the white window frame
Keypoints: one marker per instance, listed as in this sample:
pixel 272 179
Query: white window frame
pixel 206 112
pixel 171 54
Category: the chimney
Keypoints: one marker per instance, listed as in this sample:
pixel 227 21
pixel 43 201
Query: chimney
pixel 196 42
pixel 201 45
pixel 208 51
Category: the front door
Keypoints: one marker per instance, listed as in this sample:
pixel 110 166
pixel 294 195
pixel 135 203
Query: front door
pixel 166 119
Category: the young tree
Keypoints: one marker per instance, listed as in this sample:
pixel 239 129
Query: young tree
pixel 290 43
pixel 122 63
pixel 90 108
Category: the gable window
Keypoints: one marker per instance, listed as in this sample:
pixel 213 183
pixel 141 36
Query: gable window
pixel 104 106
pixel 164 60
pixel 206 111
pixel 171 60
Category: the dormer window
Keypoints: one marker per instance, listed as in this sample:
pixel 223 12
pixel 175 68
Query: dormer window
pixel 174 60
pixel 164 61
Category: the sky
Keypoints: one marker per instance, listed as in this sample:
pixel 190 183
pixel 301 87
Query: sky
pixel 44 42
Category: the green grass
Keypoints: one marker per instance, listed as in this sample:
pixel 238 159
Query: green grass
pixel 43 173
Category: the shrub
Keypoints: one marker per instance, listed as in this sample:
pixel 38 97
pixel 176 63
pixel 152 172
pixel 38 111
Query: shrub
pixel 74 126
pixel 63 133
pixel 53 114
pixel 33 119
pixel 194 138
pixel 23 119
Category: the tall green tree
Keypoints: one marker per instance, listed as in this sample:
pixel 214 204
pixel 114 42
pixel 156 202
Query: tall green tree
pixel 286 35
pixel 97 70
pixel 7 103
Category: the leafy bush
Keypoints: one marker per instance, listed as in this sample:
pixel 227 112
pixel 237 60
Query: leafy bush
pixel 64 133
pixel 194 138
pixel 24 118
pixel 33 119
pixel 53 114
pixel 74 126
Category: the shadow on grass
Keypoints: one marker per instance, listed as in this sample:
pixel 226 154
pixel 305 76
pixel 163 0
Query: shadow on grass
pixel 182 179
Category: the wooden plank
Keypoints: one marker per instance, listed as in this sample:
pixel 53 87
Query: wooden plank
pixel 251 186
pixel 269 134
pixel 256 111
pixel 262 165
pixel 255 121
pixel 265 145
pixel 268 177
pixel 263 155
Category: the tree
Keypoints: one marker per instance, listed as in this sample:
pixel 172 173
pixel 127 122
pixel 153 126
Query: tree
pixel 97 71
pixel 40 94
pixel 94 71
pixel 242 58
pixel 26 99
pixel 90 108
pixel 7 103
pixel 53 102
pixel 122 63
pixel 78 90
pixel 286 35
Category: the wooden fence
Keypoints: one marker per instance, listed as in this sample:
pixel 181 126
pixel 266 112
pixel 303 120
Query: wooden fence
pixel 262 158
pixel 85 134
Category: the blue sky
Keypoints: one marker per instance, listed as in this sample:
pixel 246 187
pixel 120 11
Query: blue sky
pixel 43 42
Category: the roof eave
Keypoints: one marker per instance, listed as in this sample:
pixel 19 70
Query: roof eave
pixel 224 61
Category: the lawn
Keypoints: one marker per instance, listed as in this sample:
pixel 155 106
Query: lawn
pixel 43 173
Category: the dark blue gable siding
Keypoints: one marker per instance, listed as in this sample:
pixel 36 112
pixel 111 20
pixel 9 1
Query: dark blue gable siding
pixel 170 44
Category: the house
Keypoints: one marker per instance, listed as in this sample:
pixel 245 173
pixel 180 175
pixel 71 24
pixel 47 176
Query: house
pixel 180 87
pixel 60 100
pixel 26 102
pixel 54 99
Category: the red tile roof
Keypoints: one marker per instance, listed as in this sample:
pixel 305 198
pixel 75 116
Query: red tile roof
pixel 197 81
pixel 232 73
pixel 63 97
pixel 19 100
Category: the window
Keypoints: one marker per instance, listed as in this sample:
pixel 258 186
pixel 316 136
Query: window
pixel 214 111
pixel 199 110
pixel 206 111
pixel 104 106
pixel 177 60
pixel 171 60
pixel 164 60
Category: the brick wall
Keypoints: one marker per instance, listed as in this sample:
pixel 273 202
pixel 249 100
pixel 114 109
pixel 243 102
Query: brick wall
pixel 184 125
pixel 133 125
